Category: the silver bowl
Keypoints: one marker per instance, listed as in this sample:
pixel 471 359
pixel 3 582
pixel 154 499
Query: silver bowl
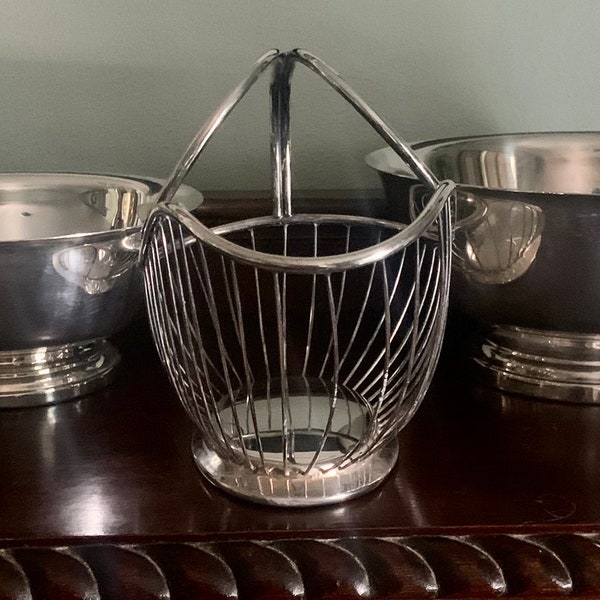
pixel 526 253
pixel 68 279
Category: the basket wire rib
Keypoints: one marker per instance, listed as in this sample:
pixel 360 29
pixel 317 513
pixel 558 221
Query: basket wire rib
pixel 299 344
pixel 383 380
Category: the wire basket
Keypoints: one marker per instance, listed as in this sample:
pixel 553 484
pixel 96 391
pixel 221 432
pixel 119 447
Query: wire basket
pixel 299 344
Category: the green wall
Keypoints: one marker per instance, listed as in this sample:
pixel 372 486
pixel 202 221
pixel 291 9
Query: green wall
pixel 123 85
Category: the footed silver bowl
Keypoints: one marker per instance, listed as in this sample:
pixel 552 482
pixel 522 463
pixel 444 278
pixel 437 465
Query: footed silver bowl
pixel 68 279
pixel 527 268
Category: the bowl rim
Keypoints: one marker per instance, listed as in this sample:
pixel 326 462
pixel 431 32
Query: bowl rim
pixel 187 195
pixel 385 160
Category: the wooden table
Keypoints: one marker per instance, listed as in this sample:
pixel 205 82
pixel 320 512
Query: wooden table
pixel 493 496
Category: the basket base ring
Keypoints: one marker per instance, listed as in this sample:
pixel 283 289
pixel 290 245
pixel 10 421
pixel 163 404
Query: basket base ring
pixel 297 490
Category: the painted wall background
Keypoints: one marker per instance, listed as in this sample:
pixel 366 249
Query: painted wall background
pixel 121 86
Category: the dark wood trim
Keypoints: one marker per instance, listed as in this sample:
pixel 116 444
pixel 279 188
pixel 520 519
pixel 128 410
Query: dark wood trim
pixel 478 566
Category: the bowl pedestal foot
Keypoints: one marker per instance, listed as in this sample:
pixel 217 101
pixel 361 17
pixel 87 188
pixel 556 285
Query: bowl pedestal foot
pixel 553 365
pixel 46 375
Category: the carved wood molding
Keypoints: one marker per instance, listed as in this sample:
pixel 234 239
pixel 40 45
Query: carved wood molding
pixel 479 566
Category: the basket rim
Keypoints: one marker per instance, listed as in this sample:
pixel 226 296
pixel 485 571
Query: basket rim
pixel 406 235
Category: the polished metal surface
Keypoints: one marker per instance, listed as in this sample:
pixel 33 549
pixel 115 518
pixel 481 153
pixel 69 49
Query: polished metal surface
pixel 39 376
pixel 299 344
pixel 550 364
pixel 528 261
pixel 68 277
pixel 552 163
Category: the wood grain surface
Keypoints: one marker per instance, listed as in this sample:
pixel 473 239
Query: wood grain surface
pixel 493 496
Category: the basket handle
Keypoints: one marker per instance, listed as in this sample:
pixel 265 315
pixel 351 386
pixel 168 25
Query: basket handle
pixel 210 126
pixel 280 126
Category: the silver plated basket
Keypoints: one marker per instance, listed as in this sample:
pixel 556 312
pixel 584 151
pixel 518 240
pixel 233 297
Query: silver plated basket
pixel 299 344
